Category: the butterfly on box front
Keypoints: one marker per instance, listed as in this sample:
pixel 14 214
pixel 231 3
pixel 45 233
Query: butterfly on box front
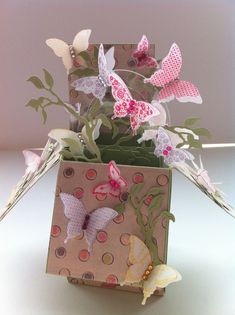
pixel 32 161
pixel 82 221
pixel 165 148
pixel 168 78
pixel 138 111
pixel 68 52
pixel 141 54
pixel 115 183
pixel 143 271
pixel 97 85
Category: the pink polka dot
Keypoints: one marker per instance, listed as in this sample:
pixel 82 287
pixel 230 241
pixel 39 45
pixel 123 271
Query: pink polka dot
pixel 91 174
pixel 102 236
pixel 148 200
pixel 83 255
pixel 78 192
pixel 119 219
pixel 112 279
pixel 55 231
pixel 138 178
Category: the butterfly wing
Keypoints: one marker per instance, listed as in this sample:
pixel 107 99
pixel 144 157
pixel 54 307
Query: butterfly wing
pixel 99 219
pixel 143 112
pixel 139 258
pixel 61 49
pixel 141 53
pixel 106 63
pixel 170 68
pixel 91 85
pixel 75 212
pixel 32 161
pixel 160 277
pixel 109 56
pixel 120 91
pixel 114 173
pixel 81 41
pixel 102 189
pixel 183 91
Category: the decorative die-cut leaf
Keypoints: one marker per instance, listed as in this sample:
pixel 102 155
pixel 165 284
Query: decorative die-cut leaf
pixel 105 121
pixel 44 115
pixel 120 208
pixel 191 121
pixel 154 191
pixel 95 107
pixel 136 188
pixel 48 78
pixel 168 215
pixel 36 82
pixel 155 203
pixel 35 103
pixel 75 147
pixel 202 132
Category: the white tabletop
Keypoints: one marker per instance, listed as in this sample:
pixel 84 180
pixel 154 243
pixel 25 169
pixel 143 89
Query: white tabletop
pixel 201 247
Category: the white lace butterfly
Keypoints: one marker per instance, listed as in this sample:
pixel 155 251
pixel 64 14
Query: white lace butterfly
pixel 68 52
pixel 97 85
pixel 165 148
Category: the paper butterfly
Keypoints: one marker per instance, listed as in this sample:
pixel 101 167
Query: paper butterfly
pixel 69 52
pixel 98 85
pixel 157 276
pixel 80 220
pixel 32 161
pixel 115 184
pixel 165 148
pixel 168 78
pixel 142 54
pixel 138 111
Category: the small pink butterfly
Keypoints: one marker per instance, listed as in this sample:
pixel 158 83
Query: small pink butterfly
pixel 114 185
pixel 32 161
pixel 142 54
pixel 168 78
pixel 138 111
pixel 165 148
pixel 80 220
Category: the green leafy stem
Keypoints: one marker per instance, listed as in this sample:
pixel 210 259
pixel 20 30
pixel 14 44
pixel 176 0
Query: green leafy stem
pixel 147 228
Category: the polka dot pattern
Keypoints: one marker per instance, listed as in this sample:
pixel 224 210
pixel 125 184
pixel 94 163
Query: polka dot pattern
pixel 69 172
pixel 60 252
pixel 119 219
pixel 78 192
pixel 125 239
pixel 107 258
pixel 162 180
pixel 83 255
pixel 138 178
pixel 91 174
pixel 102 236
pixel 55 230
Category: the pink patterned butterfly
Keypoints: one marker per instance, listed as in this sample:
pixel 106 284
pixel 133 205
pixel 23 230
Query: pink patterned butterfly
pixel 165 148
pixel 32 161
pixel 142 54
pixel 168 78
pixel 97 85
pixel 114 185
pixel 80 220
pixel 138 111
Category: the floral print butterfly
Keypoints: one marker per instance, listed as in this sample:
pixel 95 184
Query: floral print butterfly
pixel 138 111
pixel 115 183
pixel 80 220
pixel 168 78
pixel 97 85
pixel 143 271
pixel 165 148
pixel 141 54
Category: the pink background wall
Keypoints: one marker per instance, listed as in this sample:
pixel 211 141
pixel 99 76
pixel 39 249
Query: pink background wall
pixel 204 30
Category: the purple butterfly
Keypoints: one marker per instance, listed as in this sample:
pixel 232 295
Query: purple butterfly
pixel 166 149
pixel 97 85
pixel 80 220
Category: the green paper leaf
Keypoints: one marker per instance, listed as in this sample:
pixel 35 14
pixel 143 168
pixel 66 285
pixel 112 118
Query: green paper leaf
pixel 120 208
pixel 74 146
pixel 155 203
pixel 115 131
pixel 35 103
pixel 154 191
pixel 85 56
pixel 66 154
pixel 136 188
pixel 36 82
pixel 44 115
pixel 191 121
pixel 94 108
pixel 105 121
pixel 168 215
pixel 96 52
pixel 202 132
pixel 48 78
pixel 84 72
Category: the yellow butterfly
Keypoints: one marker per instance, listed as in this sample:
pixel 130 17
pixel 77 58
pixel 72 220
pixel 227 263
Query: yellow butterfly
pixel 142 270
pixel 68 52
